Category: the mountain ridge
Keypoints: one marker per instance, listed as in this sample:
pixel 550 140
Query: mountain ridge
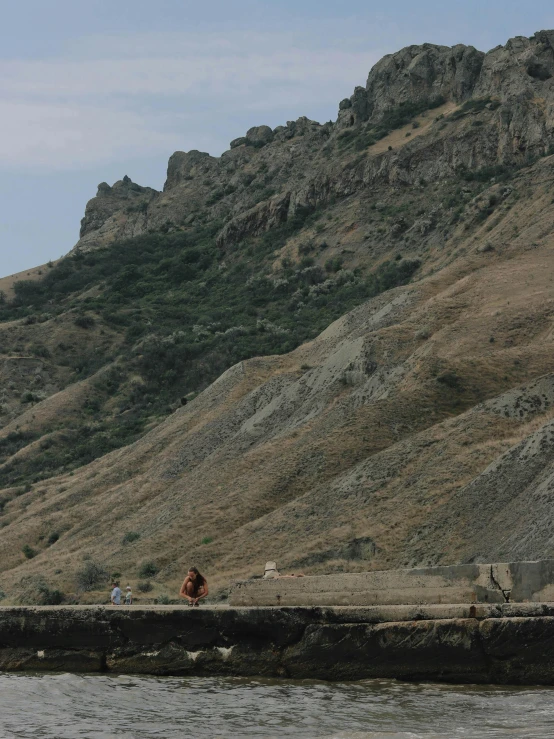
pixel 416 77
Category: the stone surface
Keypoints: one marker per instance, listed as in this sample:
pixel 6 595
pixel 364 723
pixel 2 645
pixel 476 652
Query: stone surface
pixel 417 73
pixel 116 212
pixel 518 70
pixel 259 135
pixel 471 583
pixel 502 644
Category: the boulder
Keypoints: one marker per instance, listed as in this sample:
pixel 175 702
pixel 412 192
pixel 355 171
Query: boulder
pixel 259 135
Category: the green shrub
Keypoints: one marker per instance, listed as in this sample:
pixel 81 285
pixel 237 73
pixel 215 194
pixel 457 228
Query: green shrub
pixel 145 586
pixel 265 194
pixel 450 379
pixel 53 538
pixel 131 536
pixel 423 333
pixel 405 112
pixel 306 248
pixel 364 141
pixel 51 597
pixel 28 551
pixel 498 171
pixel 84 321
pixel 28 292
pixel 148 569
pixel 91 575
pixel 334 264
pixel 392 274
pixel 472 106
pixel 15 441
pixel 34 590
pixel 39 350
pixel 207 540
pixel 215 196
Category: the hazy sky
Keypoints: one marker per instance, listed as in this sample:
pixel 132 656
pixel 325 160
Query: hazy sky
pixel 91 91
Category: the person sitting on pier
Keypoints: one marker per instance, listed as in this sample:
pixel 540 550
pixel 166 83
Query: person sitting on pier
pixel 194 588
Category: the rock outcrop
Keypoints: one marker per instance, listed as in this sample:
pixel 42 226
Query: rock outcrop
pixel 116 213
pixel 185 166
pixel 415 74
pixel 508 95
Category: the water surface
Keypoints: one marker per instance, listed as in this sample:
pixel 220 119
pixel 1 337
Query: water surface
pixel 65 706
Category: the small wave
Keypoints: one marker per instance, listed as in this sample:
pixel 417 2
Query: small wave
pixel 66 706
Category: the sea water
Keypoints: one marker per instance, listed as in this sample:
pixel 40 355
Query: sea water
pixel 60 706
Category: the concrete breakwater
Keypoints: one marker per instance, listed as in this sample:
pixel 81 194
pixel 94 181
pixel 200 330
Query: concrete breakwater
pixel 481 643
pixel 513 582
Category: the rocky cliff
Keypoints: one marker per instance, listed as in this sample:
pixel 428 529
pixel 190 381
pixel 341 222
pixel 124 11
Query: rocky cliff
pixel 511 117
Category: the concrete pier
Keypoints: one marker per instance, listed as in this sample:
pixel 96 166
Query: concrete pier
pixel 515 582
pixel 479 643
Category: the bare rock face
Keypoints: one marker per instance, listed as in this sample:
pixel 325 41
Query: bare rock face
pixel 116 212
pixel 260 135
pixel 523 67
pixel 184 166
pixel 414 74
pixel 266 215
pixel 497 109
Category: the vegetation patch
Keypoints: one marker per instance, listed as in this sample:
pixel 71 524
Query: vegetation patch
pixel 148 569
pixel 28 551
pixel 362 137
pixel 131 536
pixel 91 575
pixel 183 311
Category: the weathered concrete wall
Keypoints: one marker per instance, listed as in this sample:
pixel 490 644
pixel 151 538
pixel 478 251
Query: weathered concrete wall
pixel 501 643
pixel 473 583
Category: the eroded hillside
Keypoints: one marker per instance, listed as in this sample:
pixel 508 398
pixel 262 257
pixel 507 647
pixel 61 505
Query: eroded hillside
pixel 415 429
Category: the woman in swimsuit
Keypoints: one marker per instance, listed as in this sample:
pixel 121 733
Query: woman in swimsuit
pixel 195 587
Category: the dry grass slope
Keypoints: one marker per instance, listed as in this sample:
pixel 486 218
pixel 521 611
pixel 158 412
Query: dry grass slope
pixel 416 429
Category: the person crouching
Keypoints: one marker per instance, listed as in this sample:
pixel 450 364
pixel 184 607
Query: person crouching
pixel 194 588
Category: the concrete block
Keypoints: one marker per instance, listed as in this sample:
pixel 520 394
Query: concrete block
pixel 468 583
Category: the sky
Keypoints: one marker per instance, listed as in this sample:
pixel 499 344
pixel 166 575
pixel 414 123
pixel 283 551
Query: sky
pixel 91 91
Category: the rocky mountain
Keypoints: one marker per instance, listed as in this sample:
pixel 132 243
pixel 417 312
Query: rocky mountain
pixel 396 265
pixel 267 175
